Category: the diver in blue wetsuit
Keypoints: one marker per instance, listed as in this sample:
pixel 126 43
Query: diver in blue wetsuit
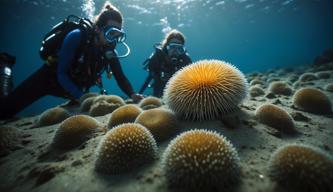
pixel 79 63
pixel 168 58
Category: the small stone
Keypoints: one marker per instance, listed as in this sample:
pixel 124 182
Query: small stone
pixel 24 123
pixel 326 147
pixel 61 157
pixel 45 173
pixel 86 156
pixel 139 177
pixel 249 123
pixel 329 87
pixel 323 74
pixel 149 180
pixel 277 102
pixel 26 135
pixel 270 96
pixel 25 141
pixel 273 132
pixel 308 134
pixel 77 162
pixel 246 107
pixel 298 116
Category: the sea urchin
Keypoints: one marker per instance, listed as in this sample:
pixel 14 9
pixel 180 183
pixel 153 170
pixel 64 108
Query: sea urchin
pixel 200 159
pixel 205 90
pixel 125 147
pixel 302 168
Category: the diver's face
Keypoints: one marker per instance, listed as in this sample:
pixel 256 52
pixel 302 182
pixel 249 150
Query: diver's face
pixel 175 47
pixel 102 39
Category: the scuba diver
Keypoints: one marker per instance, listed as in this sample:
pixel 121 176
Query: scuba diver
pixel 6 81
pixel 169 56
pixel 76 53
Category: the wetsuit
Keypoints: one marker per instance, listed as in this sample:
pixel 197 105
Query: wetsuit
pixel 57 81
pixel 161 67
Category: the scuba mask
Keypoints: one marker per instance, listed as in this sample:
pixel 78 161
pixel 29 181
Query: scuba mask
pixel 115 36
pixel 175 49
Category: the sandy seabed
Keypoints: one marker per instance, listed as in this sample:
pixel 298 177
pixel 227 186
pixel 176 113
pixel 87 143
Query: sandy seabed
pixel 29 164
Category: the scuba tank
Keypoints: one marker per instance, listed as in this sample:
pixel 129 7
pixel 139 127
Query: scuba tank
pixel 52 41
pixel 6 80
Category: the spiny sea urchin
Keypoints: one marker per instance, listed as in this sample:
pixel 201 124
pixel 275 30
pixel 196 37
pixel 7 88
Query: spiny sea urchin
pixel 292 78
pixel 74 131
pixel 124 114
pixel 115 99
pixel 161 123
pixel 9 139
pixel 329 87
pixel 52 116
pixel 256 82
pixel 280 88
pixel 100 98
pixel 307 77
pixel 125 147
pixel 205 90
pixel 87 95
pixel 275 117
pixel 256 91
pixel 150 102
pixel 302 168
pixel 110 99
pixel 200 159
pixel 312 100
pixel 324 74
pixel 86 104
pixel 102 108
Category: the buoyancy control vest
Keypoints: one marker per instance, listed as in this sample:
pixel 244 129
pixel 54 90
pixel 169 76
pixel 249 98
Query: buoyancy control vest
pixel 166 65
pixel 86 69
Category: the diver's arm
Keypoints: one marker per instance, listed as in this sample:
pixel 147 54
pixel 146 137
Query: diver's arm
pixel 154 62
pixel 66 57
pixel 152 68
pixel 120 77
pixel 146 83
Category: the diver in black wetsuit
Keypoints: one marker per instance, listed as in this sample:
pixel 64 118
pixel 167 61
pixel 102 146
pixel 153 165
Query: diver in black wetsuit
pixel 168 58
pixel 6 81
pixel 77 66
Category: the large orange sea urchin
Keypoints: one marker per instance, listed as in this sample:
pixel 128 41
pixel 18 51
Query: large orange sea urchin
pixel 205 89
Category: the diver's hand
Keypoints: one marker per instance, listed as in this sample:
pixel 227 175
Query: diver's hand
pixel 70 103
pixel 136 97
pixel 103 92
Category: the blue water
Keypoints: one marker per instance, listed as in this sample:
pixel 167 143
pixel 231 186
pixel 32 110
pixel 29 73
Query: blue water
pixel 254 35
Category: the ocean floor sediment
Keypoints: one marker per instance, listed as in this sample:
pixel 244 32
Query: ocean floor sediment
pixel 29 163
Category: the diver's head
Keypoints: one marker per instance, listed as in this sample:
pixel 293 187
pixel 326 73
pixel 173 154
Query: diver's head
pixel 109 25
pixel 174 43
